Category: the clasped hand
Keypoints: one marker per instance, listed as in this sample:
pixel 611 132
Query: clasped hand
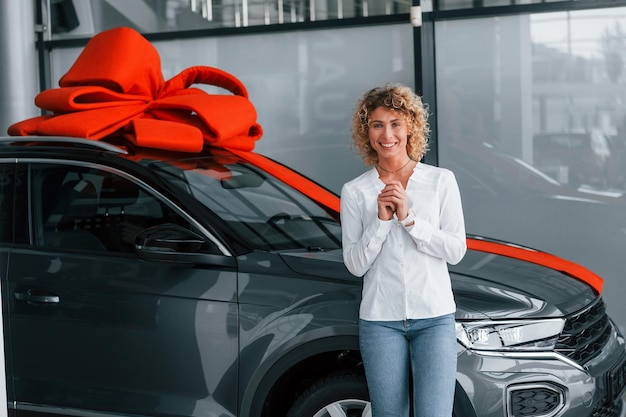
pixel 392 200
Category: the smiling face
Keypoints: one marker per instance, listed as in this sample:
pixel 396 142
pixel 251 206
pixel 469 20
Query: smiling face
pixel 387 131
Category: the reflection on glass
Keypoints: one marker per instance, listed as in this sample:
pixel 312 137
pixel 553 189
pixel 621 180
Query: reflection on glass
pixel 81 18
pixel 472 4
pixel 531 116
pixel 265 212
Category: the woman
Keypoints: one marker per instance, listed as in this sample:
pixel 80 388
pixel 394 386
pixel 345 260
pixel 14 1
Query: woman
pixel 402 222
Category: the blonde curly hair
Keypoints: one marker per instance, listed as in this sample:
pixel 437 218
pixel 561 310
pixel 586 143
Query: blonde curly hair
pixel 402 100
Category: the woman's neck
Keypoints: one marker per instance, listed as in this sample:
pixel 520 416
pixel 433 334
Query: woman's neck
pixel 393 167
pixel 402 174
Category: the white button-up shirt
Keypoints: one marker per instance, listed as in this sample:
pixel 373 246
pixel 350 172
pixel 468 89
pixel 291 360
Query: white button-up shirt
pixel 404 269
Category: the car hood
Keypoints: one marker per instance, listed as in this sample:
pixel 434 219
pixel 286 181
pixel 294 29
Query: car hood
pixel 486 286
pixel 498 287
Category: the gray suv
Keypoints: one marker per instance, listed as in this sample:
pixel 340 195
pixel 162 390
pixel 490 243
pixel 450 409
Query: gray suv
pixel 143 283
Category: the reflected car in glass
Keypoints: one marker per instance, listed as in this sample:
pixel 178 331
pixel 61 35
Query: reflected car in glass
pixel 146 283
pixel 591 158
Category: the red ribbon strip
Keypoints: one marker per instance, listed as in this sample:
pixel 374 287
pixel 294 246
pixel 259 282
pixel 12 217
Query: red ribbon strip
pixel 540 258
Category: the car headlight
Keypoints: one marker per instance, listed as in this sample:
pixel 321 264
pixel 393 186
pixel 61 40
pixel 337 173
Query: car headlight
pixel 521 335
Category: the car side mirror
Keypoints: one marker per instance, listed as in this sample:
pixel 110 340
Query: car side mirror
pixel 173 243
pixel 168 238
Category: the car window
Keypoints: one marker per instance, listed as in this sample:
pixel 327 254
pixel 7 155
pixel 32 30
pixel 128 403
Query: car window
pixel 81 208
pixel 264 211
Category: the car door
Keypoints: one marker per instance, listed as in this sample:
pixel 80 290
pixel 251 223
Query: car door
pixel 7 185
pixel 97 328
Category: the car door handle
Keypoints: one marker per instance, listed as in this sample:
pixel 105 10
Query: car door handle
pixel 37 297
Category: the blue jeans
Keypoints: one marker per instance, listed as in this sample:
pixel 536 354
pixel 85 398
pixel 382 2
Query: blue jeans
pixel 428 346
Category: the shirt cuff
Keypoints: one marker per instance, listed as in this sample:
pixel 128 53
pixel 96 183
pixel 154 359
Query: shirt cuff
pixel 422 231
pixel 378 232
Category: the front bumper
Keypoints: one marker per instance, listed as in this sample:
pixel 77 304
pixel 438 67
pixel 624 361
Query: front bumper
pixel 542 384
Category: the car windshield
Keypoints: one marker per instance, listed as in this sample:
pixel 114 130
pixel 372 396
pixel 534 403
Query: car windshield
pixel 266 212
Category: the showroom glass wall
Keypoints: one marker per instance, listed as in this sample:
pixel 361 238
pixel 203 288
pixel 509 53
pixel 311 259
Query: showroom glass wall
pixel 531 112
pixel 527 99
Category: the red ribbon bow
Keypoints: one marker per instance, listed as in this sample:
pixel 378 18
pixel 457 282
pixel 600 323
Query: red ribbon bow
pixel 116 86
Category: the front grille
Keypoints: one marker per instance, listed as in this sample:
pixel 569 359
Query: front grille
pixel 607 409
pixel 585 334
pixel 534 401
